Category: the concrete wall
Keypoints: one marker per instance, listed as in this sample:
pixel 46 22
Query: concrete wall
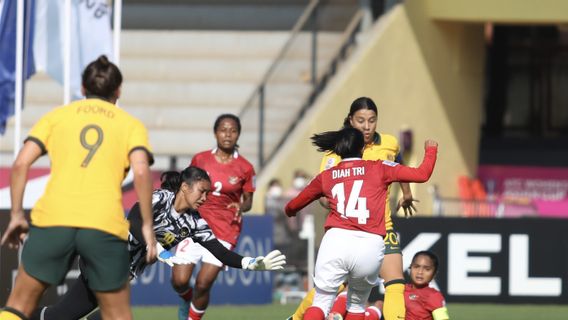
pixel 423 75
pixel 502 11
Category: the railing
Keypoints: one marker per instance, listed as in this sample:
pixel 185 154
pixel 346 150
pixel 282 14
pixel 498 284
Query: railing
pixel 319 41
pixel 449 207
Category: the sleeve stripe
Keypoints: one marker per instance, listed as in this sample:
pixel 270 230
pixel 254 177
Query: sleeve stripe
pixel 150 155
pixel 38 142
pixel 440 314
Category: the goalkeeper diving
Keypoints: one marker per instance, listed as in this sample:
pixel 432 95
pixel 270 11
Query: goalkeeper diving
pixel 175 217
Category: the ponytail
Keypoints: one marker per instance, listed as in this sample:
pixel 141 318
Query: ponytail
pixel 346 143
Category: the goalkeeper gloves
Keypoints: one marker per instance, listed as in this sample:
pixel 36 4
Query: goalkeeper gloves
pixel 275 260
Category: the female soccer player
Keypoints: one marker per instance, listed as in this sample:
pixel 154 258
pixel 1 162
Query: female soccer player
pixel 175 219
pixel 232 181
pixel 353 247
pixel 90 143
pixel 378 146
pixel 422 301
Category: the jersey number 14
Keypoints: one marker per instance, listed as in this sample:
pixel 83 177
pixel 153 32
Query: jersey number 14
pixel 356 206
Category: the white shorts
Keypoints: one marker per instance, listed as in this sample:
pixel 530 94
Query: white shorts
pixel 194 252
pixel 352 256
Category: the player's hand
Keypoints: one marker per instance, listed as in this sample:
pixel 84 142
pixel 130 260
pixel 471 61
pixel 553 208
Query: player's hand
pixel 275 260
pixel 150 239
pixel 430 143
pixel 16 231
pixel 407 204
pixel 170 259
pixel 238 214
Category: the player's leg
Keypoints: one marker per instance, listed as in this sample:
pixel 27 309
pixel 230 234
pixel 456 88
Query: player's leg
pixel 331 270
pixel 340 305
pixel 391 273
pixel 181 274
pixel 321 305
pixel 46 258
pixel 24 296
pixel 77 302
pixel 106 268
pixel 203 284
pixel 115 304
pixel 364 274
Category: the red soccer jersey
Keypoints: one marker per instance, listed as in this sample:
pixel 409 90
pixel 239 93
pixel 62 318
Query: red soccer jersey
pixel 357 189
pixel 228 182
pixel 421 302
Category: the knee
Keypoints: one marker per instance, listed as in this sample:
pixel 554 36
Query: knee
pixel 202 287
pixel 179 282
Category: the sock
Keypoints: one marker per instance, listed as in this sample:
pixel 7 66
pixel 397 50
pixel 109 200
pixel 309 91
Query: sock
pixel 314 313
pixel 394 308
pixel 355 316
pixel 187 295
pixel 372 313
pixel 194 313
pixel 340 304
pixel 11 314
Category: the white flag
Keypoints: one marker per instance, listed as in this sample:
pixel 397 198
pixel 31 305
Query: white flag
pixel 91 36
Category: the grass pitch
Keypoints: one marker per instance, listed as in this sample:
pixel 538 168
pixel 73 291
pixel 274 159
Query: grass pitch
pixel 458 311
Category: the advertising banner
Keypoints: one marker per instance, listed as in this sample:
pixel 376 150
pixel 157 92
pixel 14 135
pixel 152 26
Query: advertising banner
pixel 493 260
pixel 233 286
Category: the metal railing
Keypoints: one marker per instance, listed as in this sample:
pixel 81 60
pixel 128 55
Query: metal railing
pixel 450 207
pixel 319 41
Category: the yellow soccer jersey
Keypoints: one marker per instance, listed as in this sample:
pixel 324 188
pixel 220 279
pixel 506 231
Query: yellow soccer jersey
pixel 385 147
pixel 88 143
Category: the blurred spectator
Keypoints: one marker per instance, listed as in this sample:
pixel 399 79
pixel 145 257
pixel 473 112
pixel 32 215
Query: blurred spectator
pixel 300 180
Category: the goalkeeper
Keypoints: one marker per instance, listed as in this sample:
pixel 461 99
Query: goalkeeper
pixel 175 219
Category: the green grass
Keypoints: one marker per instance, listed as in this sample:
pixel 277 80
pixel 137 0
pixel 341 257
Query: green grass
pixel 458 311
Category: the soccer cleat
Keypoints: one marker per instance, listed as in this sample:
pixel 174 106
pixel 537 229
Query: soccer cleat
pixel 183 309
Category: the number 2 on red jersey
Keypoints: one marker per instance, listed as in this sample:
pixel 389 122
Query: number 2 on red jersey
pixel 356 206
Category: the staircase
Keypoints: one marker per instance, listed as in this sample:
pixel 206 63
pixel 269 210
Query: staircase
pixel 178 82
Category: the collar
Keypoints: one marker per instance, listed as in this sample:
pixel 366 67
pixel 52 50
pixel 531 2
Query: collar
pixel 351 159
pixel 235 153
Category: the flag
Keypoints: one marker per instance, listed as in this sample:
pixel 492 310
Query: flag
pixel 91 36
pixel 8 17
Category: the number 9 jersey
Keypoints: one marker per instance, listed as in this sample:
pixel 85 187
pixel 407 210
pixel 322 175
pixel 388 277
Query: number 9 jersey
pixel 88 143
pixel 357 189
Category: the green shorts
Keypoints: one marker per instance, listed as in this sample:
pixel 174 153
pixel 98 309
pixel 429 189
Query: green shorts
pixel 49 252
pixel 391 243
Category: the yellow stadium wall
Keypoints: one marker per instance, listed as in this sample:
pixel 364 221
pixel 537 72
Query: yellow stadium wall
pixel 422 74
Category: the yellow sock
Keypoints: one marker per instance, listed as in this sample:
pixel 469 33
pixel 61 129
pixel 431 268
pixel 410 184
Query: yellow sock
pixel 8 315
pixel 305 304
pixel 393 308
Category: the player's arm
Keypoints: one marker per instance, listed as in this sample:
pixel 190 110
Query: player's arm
pixel 273 260
pixel 140 163
pixel 310 193
pixel 396 172
pixel 18 226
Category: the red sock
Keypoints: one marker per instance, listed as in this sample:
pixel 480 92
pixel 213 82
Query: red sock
pixel 372 313
pixel 186 296
pixel 314 313
pixel 194 313
pixel 355 316
pixel 340 304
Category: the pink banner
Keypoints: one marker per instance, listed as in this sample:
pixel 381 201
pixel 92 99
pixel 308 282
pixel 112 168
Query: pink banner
pixel 545 187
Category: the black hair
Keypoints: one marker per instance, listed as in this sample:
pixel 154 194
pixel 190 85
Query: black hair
pixel 362 103
pixel 346 143
pixel 430 255
pixel 102 78
pixel 227 116
pixel 172 180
